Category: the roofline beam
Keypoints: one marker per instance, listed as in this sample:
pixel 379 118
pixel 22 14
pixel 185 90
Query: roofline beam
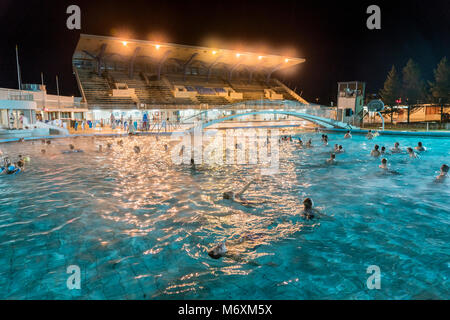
pixel 277 67
pixel 161 62
pixel 212 65
pixel 132 60
pixel 100 58
pixel 186 64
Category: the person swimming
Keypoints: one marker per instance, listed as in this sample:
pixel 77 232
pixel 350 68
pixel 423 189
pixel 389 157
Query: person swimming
pixel 72 149
pixel 396 148
pixel 411 153
pixel 370 135
pixel 8 167
pixel 237 197
pixel 341 149
pixel 443 174
pixel 309 144
pixel 348 135
pixel 385 168
pixel 375 152
pixel 336 148
pixel 332 159
pixel 308 211
pixel 218 251
pixel 420 147
pixel 383 164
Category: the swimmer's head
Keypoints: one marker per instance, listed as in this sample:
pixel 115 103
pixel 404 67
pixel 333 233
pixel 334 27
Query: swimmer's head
pixel 396 144
pixel 340 147
pixel 71 146
pixel 444 168
pixel 109 145
pixel 348 131
pixel 137 149
pixel 383 148
pixel 42 151
pixel 419 144
pixel 409 150
pixel 384 161
pixel 229 195
pixel 218 252
pixel 377 147
pixel 49 142
pixel 370 131
pixel 192 161
pixel 307 204
pixel 333 156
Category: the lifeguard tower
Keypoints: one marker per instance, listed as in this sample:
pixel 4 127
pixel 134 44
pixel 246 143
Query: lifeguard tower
pixel 350 100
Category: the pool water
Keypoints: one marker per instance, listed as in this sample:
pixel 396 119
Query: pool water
pixel 139 226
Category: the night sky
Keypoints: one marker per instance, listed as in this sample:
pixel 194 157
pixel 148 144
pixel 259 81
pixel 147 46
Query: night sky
pixel 332 36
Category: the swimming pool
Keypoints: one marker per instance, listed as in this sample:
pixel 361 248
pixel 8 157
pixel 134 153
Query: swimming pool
pixel 139 227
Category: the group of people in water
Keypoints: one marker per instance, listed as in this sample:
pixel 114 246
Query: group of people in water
pixel 308 211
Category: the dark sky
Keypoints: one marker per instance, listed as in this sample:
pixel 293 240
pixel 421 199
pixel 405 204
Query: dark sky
pixel 331 35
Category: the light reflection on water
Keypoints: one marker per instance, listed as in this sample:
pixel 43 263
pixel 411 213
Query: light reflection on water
pixel 139 227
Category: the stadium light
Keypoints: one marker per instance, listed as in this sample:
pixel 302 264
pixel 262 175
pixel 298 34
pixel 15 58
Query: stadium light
pixel 214 52
pixel 260 57
pixel 286 60
pixel 157 46
pixel 124 43
pixel 238 55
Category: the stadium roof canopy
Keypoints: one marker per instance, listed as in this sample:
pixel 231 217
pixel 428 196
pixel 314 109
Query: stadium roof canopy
pixel 127 50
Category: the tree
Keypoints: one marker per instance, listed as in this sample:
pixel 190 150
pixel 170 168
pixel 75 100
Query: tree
pixel 440 88
pixel 413 88
pixel 391 90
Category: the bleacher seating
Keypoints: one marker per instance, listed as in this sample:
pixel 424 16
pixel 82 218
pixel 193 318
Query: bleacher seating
pixel 151 91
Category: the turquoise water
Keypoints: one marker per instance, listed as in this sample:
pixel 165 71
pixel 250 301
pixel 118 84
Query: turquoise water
pixel 139 227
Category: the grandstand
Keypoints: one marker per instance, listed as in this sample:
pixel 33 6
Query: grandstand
pixel 118 74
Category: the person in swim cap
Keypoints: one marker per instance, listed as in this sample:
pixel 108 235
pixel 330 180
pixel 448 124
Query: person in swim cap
pixel 396 148
pixel 420 147
pixel 443 174
pixel 375 152
pixel 218 251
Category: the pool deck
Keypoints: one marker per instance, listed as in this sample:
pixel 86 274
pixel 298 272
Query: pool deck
pixel 108 132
